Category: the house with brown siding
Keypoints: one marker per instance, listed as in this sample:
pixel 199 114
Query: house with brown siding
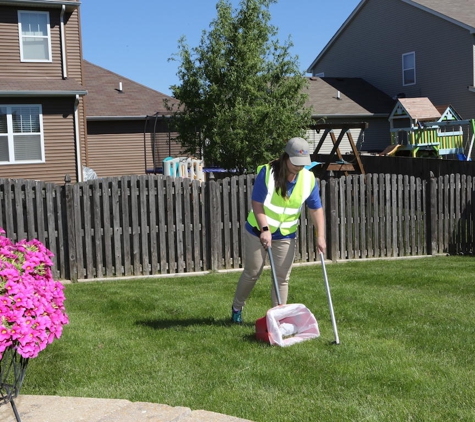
pixel 49 127
pixel 408 48
pixel 42 119
pixel 129 129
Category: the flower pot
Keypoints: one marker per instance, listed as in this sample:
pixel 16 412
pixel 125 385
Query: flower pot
pixel 12 372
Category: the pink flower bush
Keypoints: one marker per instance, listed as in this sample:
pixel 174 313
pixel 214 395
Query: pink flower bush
pixel 32 312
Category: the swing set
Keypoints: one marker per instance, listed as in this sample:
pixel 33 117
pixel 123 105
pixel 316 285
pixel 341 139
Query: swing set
pixel 339 165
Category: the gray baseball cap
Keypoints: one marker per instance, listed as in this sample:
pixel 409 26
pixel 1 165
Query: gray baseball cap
pixel 298 151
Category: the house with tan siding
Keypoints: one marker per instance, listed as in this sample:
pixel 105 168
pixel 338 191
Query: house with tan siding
pixel 408 48
pixel 42 120
pixel 352 101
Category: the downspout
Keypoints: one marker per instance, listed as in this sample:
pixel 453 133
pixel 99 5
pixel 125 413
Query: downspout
pixel 78 141
pixel 63 42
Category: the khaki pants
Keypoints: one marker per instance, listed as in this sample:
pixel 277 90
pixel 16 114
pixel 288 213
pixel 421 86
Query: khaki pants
pixel 283 252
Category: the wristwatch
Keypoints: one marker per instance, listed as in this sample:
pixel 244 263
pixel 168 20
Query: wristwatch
pixel 265 229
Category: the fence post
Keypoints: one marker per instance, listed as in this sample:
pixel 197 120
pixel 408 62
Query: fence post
pixel 431 216
pixel 215 225
pixel 332 218
pixel 71 234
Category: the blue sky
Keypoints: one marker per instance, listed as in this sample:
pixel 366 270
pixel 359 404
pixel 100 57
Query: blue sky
pixel 136 40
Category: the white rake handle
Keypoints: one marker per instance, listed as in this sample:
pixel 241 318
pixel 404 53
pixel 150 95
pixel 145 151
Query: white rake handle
pixel 327 287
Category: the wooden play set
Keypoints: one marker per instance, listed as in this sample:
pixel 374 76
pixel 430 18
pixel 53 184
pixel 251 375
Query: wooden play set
pixel 419 129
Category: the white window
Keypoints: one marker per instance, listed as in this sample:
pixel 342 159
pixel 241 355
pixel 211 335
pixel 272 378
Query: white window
pixel 409 69
pixel 35 38
pixel 21 134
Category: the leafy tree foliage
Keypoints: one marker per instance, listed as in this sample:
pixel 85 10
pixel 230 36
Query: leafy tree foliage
pixel 241 94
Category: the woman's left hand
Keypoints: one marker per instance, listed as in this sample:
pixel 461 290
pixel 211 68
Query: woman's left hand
pixel 321 244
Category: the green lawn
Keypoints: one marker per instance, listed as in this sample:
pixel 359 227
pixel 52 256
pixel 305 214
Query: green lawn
pixel 406 353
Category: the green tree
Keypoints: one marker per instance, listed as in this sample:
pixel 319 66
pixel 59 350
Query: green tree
pixel 241 94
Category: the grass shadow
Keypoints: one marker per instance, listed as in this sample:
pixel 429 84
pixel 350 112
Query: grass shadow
pixel 164 324
pixel 251 338
pixel 174 324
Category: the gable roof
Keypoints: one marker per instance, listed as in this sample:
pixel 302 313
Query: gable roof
pixel 346 97
pixel 447 112
pixel 459 12
pixel 105 101
pixel 419 109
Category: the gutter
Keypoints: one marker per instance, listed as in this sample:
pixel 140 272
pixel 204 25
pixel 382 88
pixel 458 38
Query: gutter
pixel 78 140
pixel 111 118
pixel 349 116
pixel 71 5
pixel 63 42
pixel 48 93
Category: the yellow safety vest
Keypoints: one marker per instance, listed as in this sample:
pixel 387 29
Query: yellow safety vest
pixel 284 213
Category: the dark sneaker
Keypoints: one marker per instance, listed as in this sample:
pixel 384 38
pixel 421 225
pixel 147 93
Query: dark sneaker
pixel 236 316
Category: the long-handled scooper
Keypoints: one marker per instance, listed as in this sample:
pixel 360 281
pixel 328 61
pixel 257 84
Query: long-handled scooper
pixel 327 287
pixel 274 277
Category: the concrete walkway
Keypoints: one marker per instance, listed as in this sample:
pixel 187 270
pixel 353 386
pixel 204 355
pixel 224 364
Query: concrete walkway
pixel 76 409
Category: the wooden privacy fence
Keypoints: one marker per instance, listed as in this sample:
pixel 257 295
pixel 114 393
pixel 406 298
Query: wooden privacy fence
pixel 150 225
pixel 420 167
pixel 389 215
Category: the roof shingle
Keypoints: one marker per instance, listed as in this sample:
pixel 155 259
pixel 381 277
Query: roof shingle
pixel 462 11
pixel 346 96
pixel 104 98
pixel 420 109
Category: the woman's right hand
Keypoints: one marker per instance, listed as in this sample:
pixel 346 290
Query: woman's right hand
pixel 266 239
